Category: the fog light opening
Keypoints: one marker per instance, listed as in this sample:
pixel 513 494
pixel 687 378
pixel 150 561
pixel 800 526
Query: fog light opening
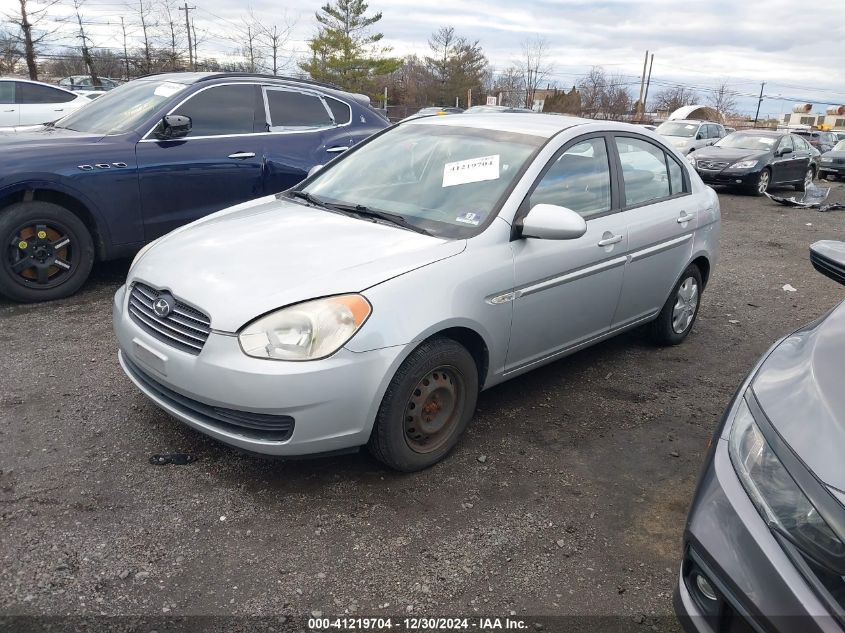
pixel 705 587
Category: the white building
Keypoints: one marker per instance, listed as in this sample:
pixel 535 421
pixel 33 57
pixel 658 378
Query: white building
pixel 802 115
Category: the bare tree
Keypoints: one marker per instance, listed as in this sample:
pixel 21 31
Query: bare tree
pixel 11 52
pixel 674 97
pixel 534 65
pixel 174 31
pixel 616 100
pixel 275 38
pixel 86 51
pixel 591 87
pixel 510 84
pixel 723 99
pixel 29 35
pixel 144 17
pixel 249 42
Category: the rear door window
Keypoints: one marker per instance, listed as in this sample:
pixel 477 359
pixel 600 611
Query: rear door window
pixel 221 110
pixel 292 109
pixel 37 94
pixel 644 171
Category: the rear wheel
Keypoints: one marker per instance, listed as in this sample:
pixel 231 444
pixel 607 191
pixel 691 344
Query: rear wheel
pixel 48 252
pixel 426 407
pixel 809 177
pixel 678 315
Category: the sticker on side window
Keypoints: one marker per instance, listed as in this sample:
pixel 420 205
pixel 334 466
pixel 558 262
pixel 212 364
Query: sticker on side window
pixel 168 89
pixel 464 172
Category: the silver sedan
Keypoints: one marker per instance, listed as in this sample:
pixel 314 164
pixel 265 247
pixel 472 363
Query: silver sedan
pixel 369 305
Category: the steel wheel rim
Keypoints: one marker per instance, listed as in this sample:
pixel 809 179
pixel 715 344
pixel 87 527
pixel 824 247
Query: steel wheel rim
pixel 686 305
pixel 40 254
pixel 433 409
pixel 763 184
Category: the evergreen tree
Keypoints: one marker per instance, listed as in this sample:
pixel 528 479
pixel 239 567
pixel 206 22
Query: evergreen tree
pixel 345 51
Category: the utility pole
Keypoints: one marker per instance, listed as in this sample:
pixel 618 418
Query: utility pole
pixel 647 84
pixel 125 50
pixel 469 97
pixel 196 43
pixel 759 103
pixel 187 10
pixel 642 88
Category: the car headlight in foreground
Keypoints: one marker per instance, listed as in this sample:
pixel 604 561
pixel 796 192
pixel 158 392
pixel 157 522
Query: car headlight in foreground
pixel 744 164
pixel 691 159
pixel 306 331
pixel 777 496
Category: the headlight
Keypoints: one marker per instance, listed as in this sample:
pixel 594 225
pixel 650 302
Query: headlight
pixel 744 164
pixel 691 159
pixel 827 159
pixel 778 498
pixel 306 331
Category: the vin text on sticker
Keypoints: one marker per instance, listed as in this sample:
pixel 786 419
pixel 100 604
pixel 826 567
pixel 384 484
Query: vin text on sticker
pixel 463 172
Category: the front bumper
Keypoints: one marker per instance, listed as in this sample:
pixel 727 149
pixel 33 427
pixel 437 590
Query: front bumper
pixel 330 404
pixel 832 168
pixel 757 585
pixel 736 177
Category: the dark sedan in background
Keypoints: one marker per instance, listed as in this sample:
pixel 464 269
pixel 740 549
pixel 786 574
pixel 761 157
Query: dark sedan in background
pixel 832 163
pixel 152 155
pixel 764 545
pixel 821 140
pixel 755 160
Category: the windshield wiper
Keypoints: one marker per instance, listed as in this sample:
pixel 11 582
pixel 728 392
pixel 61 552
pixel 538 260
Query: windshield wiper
pixel 304 195
pixel 393 218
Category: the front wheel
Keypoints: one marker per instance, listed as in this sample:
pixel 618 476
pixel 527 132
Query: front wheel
pixel 676 319
pixel 48 252
pixel 761 184
pixel 426 407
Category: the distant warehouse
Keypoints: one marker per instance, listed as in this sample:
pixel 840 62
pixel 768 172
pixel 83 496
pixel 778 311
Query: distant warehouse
pixel 802 115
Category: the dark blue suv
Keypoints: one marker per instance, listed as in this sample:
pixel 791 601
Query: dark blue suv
pixel 152 155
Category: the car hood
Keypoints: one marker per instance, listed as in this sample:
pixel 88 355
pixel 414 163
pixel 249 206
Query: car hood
pixel 836 154
pixel 799 386
pixel 248 260
pixel 37 137
pixel 680 141
pixel 732 154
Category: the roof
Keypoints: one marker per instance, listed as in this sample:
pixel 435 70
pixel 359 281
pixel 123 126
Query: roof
pixel 762 132
pixel 534 124
pixel 699 112
pixel 194 77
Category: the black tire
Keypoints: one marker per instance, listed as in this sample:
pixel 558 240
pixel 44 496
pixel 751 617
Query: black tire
pixel 56 243
pixel 802 186
pixel 830 177
pixel 664 330
pixel 402 447
pixel 760 187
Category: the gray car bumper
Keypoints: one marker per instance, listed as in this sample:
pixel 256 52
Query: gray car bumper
pixel 263 406
pixel 758 586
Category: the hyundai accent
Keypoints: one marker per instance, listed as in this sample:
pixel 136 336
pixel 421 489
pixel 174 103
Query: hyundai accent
pixel 369 305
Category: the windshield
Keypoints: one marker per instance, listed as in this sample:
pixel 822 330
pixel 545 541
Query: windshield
pixel 677 128
pixel 444 179
pixel 744 140
pixel 840 146
pixel 121 109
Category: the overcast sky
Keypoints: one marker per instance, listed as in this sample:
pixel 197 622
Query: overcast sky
pixel 795 47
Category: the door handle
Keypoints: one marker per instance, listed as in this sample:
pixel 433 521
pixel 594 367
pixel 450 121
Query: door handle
pixel 685 217
pixel 12 110
pixel 336 150
pixel 610 241
pixel 59 110
pixel 242 155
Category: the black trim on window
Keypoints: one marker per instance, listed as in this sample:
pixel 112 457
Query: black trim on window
pixel 621 182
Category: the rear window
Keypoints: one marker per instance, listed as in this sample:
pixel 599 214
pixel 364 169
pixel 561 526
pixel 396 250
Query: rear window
pixel 341 112
pixel 287 108
pixel 35 93
pixel 7 92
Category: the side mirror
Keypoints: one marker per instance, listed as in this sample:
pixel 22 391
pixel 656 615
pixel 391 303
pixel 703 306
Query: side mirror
pixel 174 126
pixel 314 170
pixel 784 150
pixel 828 257
pixel 551 222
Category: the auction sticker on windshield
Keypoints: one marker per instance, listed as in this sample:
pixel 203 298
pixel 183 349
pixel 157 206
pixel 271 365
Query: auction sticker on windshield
pixel 464 172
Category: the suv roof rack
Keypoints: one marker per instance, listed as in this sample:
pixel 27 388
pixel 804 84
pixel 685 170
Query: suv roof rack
pixel 224 75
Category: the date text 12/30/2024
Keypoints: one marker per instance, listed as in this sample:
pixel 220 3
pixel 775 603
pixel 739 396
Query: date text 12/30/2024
pixel 416 624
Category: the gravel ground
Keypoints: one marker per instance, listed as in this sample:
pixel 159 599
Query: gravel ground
pixel 566 497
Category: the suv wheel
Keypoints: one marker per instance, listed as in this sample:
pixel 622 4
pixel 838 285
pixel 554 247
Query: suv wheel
pixel 48 252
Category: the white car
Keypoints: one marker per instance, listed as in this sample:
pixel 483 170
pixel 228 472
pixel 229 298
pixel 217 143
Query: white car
pixel 24 102
pixel 687 135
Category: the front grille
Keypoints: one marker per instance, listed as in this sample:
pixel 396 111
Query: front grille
pixel 185 328
pixel 711 164
pixel 259 426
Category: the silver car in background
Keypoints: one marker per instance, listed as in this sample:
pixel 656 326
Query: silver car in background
pixel 372 303
pixel 688 135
